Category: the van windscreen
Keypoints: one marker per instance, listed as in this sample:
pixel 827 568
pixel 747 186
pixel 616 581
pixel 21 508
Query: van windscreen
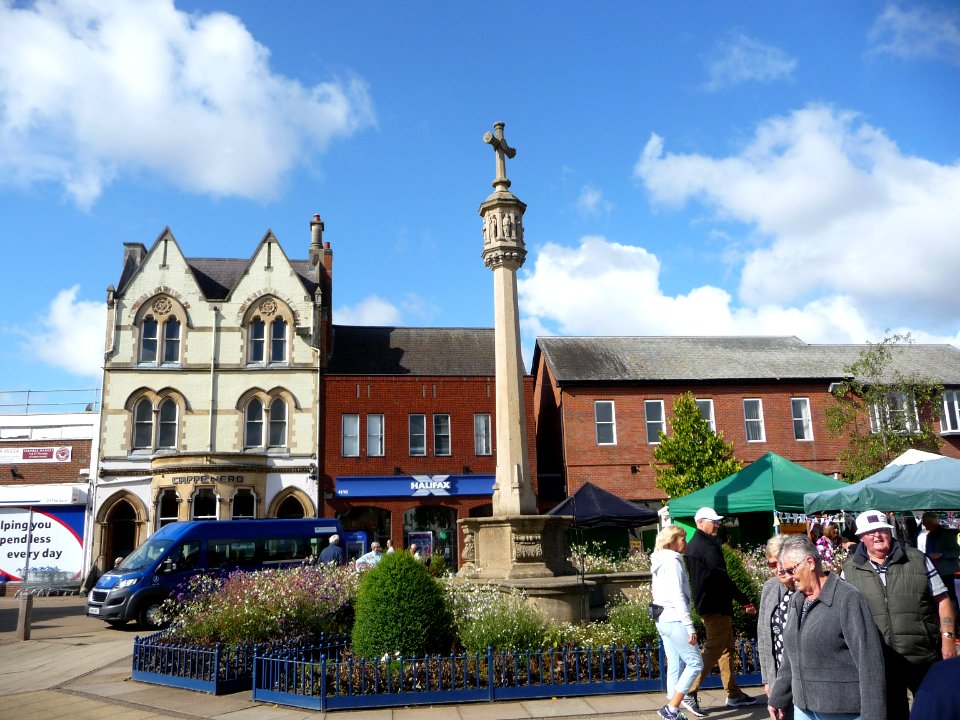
pixel 146 555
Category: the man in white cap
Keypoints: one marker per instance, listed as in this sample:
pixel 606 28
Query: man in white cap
pixel 909 604
pixel 713 594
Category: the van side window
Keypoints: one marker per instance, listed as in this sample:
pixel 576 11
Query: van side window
pixel 186 556
pixel 230 553
pixel 285 550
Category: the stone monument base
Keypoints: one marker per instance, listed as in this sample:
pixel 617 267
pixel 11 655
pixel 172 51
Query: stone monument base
pixel 515 547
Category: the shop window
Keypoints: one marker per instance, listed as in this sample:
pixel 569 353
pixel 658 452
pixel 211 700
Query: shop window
pixel 204 505
pixel 244 505
pixel 168 507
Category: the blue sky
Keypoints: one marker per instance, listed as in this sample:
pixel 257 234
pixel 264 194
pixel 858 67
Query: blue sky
pixel 695 168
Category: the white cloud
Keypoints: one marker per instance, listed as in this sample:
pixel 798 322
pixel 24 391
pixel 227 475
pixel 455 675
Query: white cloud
pixel 607 288
pixel 71 335
pixel 591 202
pixel 740 59
pixel 372 310
pixel 91 89
pixel 836 209
pixel 917 33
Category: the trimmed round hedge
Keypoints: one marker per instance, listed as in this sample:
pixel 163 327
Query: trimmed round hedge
pixel 400 609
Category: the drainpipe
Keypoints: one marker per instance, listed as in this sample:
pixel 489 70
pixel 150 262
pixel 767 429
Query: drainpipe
pixel 211 444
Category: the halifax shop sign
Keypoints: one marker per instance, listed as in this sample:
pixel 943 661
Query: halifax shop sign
pixel 414 485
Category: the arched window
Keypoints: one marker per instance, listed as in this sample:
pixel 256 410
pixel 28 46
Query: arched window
pixel 168 510
pixel 268 328
pixel 167 435
pixel 171 342
pixel 253 432
pixel 278 423
pixel 265 423
pixel 257 346
pixel 148 341
pixel 204 505
pixel 156 422
pixel 161 325
pixel 143 425
pixel 244 505
pixel 278 341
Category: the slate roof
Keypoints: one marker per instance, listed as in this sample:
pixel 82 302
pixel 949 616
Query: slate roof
pixel 412 351
pixel 218 276
pixel 663 359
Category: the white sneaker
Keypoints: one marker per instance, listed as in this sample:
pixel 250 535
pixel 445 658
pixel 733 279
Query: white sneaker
pixel 692 706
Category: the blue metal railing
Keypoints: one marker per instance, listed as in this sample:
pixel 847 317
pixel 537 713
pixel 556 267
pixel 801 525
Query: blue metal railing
pixel 216 668
pixel 326 683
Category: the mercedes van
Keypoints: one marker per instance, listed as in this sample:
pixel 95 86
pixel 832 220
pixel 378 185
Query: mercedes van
pixel 176 552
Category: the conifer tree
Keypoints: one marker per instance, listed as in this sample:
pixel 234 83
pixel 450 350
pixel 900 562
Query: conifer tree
pixel 692 456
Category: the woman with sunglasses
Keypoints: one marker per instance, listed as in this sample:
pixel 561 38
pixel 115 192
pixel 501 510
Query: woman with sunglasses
pixel 774 602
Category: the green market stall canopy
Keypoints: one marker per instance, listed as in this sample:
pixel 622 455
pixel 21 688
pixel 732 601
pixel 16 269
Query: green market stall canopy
pixel 771 483
pixel 916 480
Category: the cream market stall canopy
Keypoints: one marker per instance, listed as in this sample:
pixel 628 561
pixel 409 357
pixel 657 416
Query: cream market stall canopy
pixel 916 480
pixel 769 483
pixel 592 507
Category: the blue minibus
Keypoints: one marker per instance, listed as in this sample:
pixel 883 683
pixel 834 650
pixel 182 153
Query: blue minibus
pixel 171 556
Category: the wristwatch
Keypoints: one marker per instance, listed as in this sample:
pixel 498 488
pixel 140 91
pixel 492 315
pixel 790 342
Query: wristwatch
pixel 948 634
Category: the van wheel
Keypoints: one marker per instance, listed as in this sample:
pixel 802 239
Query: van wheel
pixel 149 617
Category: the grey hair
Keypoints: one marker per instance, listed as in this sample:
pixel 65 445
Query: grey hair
pixel 798 547
pixel 774 544
pixel 374 545
pixel 334 539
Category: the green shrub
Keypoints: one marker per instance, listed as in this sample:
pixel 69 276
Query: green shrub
pixel 630 621
pixel 437 565
pixel 743 624
pixel 400 609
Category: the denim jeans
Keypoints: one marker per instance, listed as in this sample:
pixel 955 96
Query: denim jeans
pixel 800 714
pixel 683 659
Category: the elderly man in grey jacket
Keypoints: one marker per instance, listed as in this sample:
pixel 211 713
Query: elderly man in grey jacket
pixel 831 645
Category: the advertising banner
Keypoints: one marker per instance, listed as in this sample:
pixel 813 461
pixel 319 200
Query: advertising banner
pixel 413 485
pixel 10 456
pixel 55 537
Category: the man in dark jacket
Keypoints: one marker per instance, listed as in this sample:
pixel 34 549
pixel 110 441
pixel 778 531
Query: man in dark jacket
pixel 713 595
pixel 909 604
pixel 332 553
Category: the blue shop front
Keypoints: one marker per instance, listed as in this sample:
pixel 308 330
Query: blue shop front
pixel 420 509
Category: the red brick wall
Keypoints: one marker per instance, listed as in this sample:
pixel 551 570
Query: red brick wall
pixel 609 466
pixel 396 397
pixel 39 473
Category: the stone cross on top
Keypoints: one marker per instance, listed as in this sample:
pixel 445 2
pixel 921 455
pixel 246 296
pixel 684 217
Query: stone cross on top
pixel 500 146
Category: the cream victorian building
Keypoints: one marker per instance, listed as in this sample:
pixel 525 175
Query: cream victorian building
pixel 211 389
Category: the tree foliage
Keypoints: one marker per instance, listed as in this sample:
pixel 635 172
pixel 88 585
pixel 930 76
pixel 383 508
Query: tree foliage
pixel 693 456
pixel 883 408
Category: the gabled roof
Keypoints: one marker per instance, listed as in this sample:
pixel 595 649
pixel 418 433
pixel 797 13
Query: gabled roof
pixel 663 359
pixel 217 277
pixel 359 350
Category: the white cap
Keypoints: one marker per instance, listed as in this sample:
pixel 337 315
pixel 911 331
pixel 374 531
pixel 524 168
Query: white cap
pixel 707 513
pixel 870 520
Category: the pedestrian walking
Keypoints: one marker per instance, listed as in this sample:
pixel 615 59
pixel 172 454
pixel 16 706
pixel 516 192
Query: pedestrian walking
pixel 831 648
pixel 774 603
pixel 909 604
pixel 671 608
pixel 713 595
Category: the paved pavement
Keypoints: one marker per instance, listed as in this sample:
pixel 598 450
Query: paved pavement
pixel 79 668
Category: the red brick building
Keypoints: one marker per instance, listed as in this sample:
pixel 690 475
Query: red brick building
pixel 407 443
pixel 601 401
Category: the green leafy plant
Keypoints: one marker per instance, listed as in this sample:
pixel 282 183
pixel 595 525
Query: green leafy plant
pixel 487 616
pixel 692 456
pixel 400 609
pixel 743 624
pixel 882 410
pixel 437 565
